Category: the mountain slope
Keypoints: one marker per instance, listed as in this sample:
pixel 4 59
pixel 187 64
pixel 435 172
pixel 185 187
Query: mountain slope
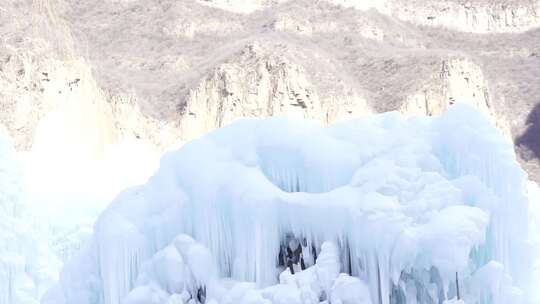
pixel 166 71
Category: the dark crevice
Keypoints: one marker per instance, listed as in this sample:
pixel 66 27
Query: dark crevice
pixel 528 143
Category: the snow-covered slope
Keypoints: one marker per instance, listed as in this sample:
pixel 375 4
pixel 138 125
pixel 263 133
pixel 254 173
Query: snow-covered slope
pixel 412 205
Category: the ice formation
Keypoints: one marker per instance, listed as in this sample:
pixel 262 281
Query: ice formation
pixel 419 210
pixel 177 273
pixel 27 266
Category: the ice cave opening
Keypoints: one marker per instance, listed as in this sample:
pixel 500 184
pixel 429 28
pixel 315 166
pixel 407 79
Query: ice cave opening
pixel 395 210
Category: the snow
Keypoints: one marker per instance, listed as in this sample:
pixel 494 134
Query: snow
pixel 411 206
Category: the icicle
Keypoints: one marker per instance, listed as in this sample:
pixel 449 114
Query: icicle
pixel 379 283
pixel 457 287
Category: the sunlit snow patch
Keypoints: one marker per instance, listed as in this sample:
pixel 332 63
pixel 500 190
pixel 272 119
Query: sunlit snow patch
pixel 418 209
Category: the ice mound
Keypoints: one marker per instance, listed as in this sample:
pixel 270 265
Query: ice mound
pixel 417 209
pixel 179 269
pixel 178 273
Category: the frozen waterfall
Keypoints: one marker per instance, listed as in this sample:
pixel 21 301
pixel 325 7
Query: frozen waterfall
pixel 421 210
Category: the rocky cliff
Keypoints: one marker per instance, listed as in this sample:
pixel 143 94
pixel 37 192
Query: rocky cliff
pixel 82 75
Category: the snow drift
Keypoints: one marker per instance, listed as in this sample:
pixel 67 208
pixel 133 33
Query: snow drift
pixel 421 210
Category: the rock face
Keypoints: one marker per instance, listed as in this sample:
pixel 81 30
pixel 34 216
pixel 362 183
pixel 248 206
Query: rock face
pixel 478 16
pixel 261 81
pixel 77 76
